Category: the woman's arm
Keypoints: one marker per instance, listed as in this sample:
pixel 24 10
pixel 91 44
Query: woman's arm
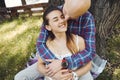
pixel 41 66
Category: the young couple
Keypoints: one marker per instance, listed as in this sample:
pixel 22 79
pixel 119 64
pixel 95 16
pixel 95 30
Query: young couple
pixel 62 44
pixel 65 47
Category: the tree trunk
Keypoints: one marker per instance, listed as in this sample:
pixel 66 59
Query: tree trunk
pixel 107 16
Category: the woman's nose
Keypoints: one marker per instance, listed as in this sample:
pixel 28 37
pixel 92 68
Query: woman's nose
pixel 62 20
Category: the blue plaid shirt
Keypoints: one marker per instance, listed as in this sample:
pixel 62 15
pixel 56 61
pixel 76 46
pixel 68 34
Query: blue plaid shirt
pixel 83 26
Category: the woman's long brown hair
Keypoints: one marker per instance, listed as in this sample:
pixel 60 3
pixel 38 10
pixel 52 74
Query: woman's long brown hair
pixel 71 42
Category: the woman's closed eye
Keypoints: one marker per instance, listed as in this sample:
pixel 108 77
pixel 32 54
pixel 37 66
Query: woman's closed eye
pixel 55 20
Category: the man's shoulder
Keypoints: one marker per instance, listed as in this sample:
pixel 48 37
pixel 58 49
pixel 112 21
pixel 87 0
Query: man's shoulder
pixel 86 14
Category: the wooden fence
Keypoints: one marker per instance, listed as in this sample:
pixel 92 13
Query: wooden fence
pixel 28 9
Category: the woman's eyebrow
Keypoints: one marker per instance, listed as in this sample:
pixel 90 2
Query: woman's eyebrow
pixel 54 17
pixel 57 17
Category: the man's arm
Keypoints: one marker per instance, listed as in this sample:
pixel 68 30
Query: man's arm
pixel 79 59
pixel 41 47
pixel 87 31
pixel 75 8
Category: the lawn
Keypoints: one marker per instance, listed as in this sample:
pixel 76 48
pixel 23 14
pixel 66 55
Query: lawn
pixel 18 41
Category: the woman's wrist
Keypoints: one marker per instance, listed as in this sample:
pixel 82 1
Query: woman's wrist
pixel 75 76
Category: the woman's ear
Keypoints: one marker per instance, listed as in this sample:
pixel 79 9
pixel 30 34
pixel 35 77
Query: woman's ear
pixel 48 27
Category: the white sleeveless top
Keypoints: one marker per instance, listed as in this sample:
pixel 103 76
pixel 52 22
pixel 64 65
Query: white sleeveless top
pixel 65 55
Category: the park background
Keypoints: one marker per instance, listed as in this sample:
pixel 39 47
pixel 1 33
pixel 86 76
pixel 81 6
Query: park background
pixel 18 37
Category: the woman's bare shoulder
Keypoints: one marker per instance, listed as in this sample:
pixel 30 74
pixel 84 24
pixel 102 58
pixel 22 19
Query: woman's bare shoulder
pixel 79 37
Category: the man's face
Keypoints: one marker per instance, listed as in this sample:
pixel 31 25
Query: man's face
pixel 57 22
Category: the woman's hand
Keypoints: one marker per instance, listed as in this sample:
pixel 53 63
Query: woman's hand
pixel 53 67
pixel 63 74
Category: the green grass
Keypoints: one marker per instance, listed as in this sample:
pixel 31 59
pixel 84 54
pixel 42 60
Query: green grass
pixel 17 42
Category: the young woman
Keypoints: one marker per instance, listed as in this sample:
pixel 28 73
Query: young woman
pixel 62 43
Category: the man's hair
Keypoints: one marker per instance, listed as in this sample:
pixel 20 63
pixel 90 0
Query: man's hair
pixel 47 11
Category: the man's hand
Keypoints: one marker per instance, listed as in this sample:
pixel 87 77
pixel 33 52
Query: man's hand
pixel 63 75
pixel 53 67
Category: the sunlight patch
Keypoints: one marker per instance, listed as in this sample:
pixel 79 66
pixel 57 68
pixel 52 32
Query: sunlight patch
pixel 12 34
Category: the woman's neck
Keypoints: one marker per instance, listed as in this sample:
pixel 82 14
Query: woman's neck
pixel 60 37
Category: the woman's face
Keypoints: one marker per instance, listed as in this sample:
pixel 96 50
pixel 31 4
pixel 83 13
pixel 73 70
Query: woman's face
pixel 56 21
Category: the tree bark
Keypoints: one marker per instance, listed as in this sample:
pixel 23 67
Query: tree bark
pixel 107 16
